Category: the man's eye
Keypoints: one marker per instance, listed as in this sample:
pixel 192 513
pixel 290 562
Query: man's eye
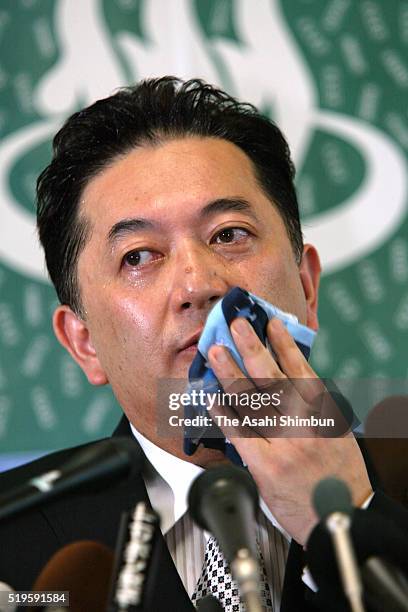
pixel 231 234
pixel 137 258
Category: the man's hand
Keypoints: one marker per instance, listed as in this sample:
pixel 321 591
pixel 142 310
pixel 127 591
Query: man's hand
pixel 286 469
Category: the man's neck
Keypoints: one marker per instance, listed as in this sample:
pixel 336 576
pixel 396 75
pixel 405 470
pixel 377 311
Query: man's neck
pixel 203 457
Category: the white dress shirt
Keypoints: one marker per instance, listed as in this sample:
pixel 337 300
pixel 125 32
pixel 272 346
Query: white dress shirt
pixel 168 480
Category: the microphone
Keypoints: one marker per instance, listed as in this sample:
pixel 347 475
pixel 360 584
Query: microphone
pixel 382 552
pixel 224 501
pixel 6 605
pixel 90 464
pixel 209 604
pixel 83 569
pixel 333 504
pixel 133 556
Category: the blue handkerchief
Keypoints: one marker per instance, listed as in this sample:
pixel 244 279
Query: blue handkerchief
pixel 236 303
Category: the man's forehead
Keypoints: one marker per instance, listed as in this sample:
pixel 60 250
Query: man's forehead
pixel 191 175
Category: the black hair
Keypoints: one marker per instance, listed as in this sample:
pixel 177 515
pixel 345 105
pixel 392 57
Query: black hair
pixel 150 112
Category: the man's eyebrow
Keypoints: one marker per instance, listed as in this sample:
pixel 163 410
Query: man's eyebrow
pixel 221 205
pixel 127 226
pixel 124 227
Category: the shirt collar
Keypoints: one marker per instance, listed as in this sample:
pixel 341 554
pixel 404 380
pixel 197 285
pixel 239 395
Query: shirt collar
pixel 168 480
pixel 171 473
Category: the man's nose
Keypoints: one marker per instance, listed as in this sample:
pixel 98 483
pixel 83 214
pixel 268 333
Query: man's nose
pixel 200 279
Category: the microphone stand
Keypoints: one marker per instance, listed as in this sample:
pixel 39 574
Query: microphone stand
pixel 245 570
pixel 386 587
pixel 223 500
pixel 338 524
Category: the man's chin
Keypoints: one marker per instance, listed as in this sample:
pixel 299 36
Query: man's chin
pixel 181 366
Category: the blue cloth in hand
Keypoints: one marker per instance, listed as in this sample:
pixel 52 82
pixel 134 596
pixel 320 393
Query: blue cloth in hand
pixel 236 303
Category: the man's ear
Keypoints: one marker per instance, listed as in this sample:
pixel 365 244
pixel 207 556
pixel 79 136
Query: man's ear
pixel 309 270
pixel 73 333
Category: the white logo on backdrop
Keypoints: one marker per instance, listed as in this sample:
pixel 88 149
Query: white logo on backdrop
pixel 265 68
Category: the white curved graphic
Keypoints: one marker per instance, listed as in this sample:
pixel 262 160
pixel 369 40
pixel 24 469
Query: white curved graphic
pixel 269 70
pixel 176 46
pixel 371 215
pixel 19 246
pixel 87 68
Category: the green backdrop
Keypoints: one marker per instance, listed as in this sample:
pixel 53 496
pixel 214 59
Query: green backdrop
pixel 334 74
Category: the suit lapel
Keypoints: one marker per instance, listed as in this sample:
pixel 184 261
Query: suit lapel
pixel 164 588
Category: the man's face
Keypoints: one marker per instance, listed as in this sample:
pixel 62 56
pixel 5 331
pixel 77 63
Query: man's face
pixel 173 228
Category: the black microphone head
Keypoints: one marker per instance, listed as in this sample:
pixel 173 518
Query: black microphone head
pixel 209 604
pixel 98 463
pixel 90 466
pixel 224 501
pixel 127 446
pixel 122 448
pixel 331 495
pixel 219 482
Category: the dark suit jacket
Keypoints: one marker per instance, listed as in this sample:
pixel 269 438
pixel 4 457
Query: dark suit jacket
pixel 29 540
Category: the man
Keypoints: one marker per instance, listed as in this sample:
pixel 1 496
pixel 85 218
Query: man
pixel 159 200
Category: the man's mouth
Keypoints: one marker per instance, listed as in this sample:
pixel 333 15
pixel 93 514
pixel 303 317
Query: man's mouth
pixel 190 349
pixel 190 345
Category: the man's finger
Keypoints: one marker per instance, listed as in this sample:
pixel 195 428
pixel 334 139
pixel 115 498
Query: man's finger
pixel 227 371
pixel 258 361
pixel 293 363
